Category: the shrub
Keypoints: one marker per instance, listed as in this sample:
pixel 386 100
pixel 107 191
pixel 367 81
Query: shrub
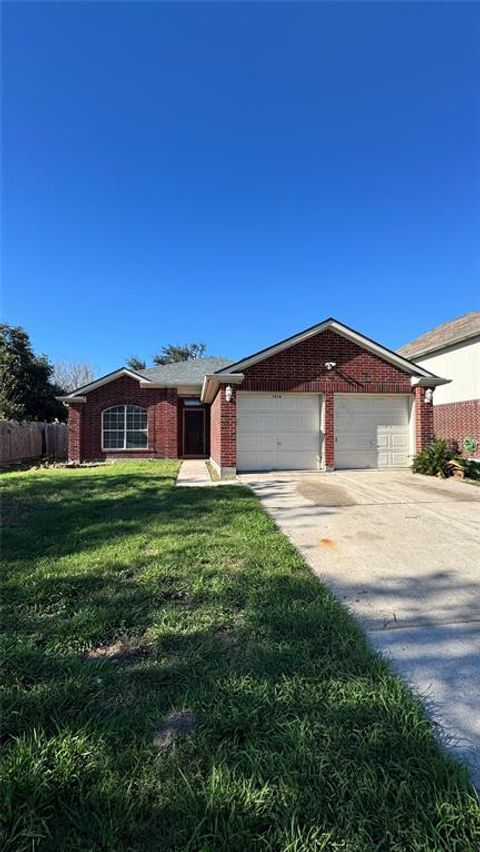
pixel 465 468
pixel 434 459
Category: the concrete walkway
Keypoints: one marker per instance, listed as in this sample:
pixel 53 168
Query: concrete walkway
pixel 194 472
pixel 402 552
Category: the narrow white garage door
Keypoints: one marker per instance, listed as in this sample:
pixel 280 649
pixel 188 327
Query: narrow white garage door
pixel 371 431
pixel 278 431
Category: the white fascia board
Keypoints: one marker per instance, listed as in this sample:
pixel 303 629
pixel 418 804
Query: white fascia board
pixel 343 331
pixel 146 383
pixel 430 381
pixel 67 399
pixel 110 377
pixel 212 382
pixel 227 378
pixel 183 390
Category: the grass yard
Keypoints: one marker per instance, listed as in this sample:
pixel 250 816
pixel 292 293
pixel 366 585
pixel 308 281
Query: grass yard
pixel 124 599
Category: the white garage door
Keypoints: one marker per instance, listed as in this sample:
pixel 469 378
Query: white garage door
pixel 371 431
pixel 278 431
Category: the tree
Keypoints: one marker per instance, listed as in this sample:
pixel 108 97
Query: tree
pixel 27 391
pixel 136 363
pixel 70 375
pixel 172 354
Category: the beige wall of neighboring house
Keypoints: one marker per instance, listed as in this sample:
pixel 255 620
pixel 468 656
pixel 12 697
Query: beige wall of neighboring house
pixel 452 350
pixel 460 363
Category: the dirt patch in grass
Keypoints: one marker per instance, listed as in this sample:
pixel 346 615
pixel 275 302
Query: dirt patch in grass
pixel 122 652
pixel 176 726
pixel 120 699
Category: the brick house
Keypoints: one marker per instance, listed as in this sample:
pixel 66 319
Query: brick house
pixel 453 350
pixel 325 398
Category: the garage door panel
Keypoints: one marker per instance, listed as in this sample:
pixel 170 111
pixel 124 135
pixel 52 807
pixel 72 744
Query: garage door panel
pixel 278 431
pixel 371 431
pixel 263 460
pixel 301 443
pixel 295 460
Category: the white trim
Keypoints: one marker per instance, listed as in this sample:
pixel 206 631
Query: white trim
pixel 67 399
pixel 189 390
pixel 212 382
pixel 339 328
pixel 110 377
pixel 124 449
pixel 146 383
pixel 428 381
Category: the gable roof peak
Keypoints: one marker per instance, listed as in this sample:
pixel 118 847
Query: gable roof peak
pixel 340 328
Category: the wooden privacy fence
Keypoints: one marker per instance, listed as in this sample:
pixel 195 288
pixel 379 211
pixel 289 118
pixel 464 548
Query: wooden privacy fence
pixel 24 441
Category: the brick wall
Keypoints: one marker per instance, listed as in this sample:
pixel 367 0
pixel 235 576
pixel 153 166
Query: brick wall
pixel 301 368
pixel 223 429
pixel 455 421
pixel 85 420
pixel 424 431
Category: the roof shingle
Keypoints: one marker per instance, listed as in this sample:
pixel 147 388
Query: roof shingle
pixel 184 372
pixel 443 335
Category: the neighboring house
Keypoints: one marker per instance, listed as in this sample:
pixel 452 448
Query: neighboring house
pixel 453 350
pixel 326 398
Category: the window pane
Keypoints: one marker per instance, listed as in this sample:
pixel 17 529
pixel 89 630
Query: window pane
pixel 136 439
pixel 113 440
pixel 191 403
pixel 136 417
pixel 114 418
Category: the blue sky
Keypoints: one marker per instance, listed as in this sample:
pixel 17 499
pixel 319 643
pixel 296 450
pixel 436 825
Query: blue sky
pixel 233 173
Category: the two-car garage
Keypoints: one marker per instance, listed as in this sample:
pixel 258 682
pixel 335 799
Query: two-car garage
pixel 284 431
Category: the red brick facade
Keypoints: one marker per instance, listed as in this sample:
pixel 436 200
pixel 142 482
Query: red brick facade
pixel 300 368
pixel 424 431
pixel 223 430
pixel 455 421
pixel 85 420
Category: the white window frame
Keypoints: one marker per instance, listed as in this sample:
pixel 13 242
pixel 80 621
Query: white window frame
pixel 124 449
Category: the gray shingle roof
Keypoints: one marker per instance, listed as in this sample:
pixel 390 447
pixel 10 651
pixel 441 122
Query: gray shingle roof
pixel 185 372
pixel 443 335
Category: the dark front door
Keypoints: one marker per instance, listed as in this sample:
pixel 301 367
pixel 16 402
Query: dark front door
pixel 194 432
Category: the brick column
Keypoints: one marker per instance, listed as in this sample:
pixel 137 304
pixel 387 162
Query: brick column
pixel 76 415
pixel 424 430
pixel 329 443
pixel 223 434
pixel 170 424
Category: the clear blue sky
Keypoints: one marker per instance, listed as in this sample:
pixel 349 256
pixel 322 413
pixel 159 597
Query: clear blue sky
pixel 234 173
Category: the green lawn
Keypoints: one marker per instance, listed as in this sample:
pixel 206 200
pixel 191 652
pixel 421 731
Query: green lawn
pixel 304 740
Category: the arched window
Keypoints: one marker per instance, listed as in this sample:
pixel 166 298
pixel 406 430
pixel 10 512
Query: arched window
pixel 124 427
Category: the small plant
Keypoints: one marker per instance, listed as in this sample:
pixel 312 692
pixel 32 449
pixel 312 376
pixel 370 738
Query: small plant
pixel 434 459
pixel 470 445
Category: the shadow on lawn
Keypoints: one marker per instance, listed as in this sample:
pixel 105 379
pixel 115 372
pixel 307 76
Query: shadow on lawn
pixel 304 737
pixel 78 516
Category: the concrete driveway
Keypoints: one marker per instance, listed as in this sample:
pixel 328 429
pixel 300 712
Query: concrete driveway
pixel 402 552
